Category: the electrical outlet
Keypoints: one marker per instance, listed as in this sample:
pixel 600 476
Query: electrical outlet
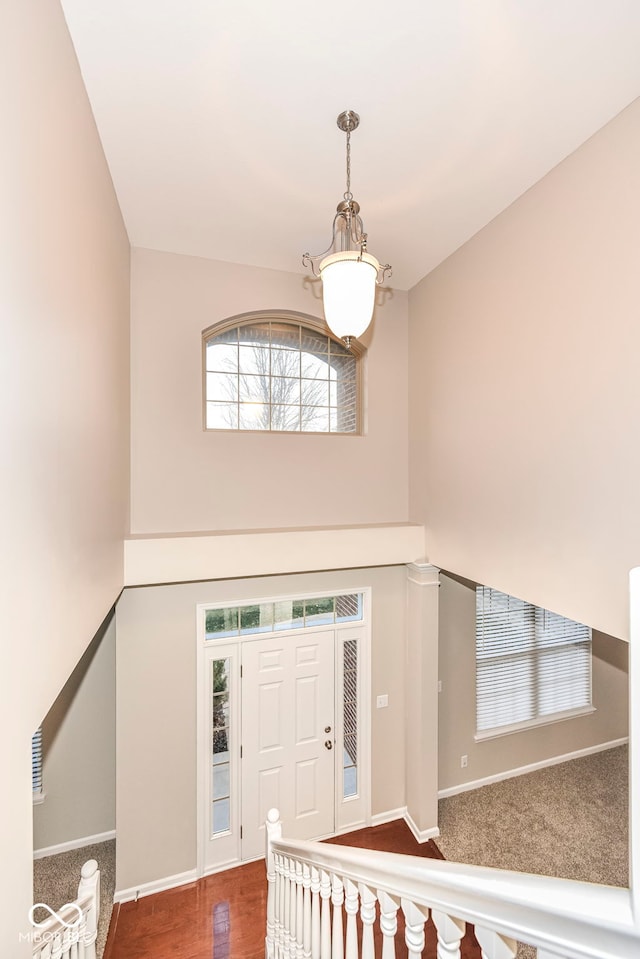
pixel 463 762
pixel 382 701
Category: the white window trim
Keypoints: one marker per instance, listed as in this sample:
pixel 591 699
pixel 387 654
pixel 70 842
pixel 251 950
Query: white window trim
pixel 499 731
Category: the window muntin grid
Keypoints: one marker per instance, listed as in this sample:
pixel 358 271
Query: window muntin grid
pixel 280 376
pixel 272 617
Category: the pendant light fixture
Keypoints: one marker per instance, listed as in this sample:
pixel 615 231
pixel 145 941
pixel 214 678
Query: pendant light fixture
pixel 349 273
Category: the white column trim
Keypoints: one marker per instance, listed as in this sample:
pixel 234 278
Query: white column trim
pixel 423 573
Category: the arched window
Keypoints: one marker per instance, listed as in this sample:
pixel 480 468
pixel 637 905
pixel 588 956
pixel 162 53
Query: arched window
pixel 279 372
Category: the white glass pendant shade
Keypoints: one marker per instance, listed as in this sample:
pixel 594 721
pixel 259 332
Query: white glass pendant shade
pixel 348 291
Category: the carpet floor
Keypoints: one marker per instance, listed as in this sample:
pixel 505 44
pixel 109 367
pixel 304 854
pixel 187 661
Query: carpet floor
pixel 569 820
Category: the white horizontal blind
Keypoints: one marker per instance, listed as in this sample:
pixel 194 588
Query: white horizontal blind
pixel 36 762
pixel 530 663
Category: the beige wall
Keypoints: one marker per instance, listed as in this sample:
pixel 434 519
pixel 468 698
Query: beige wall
pixel 457 701
pixel 185 479
pixel 156 708
pixel 64 301
pixel 421 699
pixel 524 402
pixel 79 750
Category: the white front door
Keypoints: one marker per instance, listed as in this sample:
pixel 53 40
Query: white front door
pixel 288 723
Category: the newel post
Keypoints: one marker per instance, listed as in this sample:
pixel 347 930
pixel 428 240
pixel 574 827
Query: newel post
pixel 273 832
pixel 90 884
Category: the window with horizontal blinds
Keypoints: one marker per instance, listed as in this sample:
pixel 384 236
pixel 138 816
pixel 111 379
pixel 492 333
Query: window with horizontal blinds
pixel 36 762
pixel 531 664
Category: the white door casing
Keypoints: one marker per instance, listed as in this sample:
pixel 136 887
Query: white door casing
pixel 288 736
pixel 282 733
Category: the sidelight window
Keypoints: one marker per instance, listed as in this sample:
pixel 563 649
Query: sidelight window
pixel 220 747
pixel 350 718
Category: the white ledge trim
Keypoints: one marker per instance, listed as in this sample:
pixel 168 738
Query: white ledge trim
pixel 180 559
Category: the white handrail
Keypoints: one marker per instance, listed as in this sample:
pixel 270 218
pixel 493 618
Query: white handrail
pixel 562 917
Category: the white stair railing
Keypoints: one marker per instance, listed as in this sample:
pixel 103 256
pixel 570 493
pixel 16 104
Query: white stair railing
pixel 311 885
pixel 71 932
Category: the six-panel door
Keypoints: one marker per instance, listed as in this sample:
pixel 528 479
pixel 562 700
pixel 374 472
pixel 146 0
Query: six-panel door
pixel 288 736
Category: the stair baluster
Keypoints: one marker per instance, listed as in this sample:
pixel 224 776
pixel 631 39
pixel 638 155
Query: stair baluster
pixel 388 923
pixel 293 909
pixel 306 911
pixel 494 945
pixel 325 915
pixel 299 911
pixel 286 912
pixel 450 931
pixel 368 917
pixel 337 898
pixel 415 918
pixel 315 913
pixel 351 908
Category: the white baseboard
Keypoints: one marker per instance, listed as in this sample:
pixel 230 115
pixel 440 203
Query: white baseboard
pixel 390 815
pixel 532 767
pixel 73 844
pixel 420 835
pixel 157 885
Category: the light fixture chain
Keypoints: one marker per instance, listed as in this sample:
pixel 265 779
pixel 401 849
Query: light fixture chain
pixel 348 195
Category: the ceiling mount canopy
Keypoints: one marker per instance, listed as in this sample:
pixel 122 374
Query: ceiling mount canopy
pixel 349 273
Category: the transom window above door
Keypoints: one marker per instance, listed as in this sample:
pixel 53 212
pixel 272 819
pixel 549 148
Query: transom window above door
pixel 284 614
pixel 279 375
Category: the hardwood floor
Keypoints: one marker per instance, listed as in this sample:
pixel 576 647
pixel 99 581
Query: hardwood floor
pixel 224 916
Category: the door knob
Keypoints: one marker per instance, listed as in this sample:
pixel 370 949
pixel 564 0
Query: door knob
pixel 327 729
pixel 328 744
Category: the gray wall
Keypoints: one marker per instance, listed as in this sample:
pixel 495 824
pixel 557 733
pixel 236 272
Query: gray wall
pixel 457 701
pixel 79 750
pixel 156 708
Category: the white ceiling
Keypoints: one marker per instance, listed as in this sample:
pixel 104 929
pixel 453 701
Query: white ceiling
pixel 218 118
